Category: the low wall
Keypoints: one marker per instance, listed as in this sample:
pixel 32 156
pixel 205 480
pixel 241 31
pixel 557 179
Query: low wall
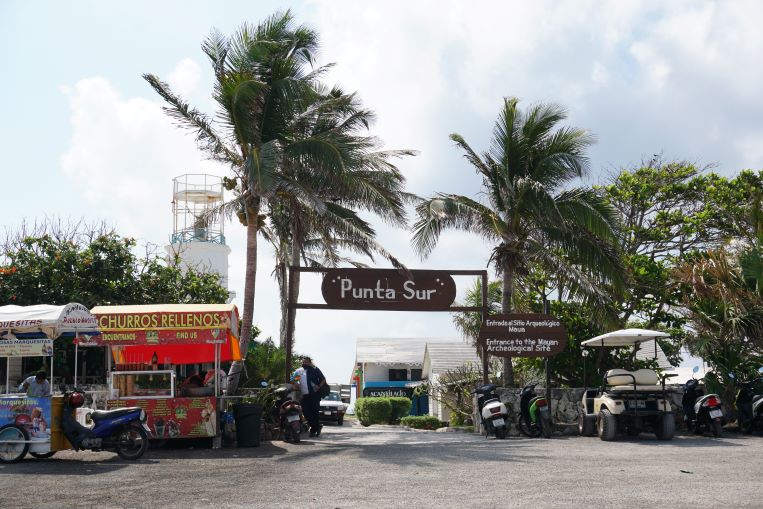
pixel 565 406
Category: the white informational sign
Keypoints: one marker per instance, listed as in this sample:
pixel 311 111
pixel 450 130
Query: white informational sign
pixel 26 347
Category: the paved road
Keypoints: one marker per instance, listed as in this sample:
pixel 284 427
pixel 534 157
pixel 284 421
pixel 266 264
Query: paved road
pixel 387 467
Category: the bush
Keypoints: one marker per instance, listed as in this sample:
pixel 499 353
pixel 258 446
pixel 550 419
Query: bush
pixel 421 422
pixel 373 410
pixel 400 408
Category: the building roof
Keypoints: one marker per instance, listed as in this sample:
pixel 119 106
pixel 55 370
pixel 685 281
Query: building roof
pixel 396 350
pixel 440 357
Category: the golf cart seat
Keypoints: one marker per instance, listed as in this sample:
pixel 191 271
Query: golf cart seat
pixel 640 380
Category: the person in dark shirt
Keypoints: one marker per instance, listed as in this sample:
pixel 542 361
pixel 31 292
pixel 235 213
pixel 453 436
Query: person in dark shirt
pixel 311 379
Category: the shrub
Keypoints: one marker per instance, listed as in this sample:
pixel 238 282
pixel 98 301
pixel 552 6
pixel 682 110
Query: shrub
pixel 373 410
pixel 400 408
pixel 421 422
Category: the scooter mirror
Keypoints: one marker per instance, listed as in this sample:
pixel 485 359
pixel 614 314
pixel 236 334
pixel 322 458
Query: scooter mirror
pixel 264 383
pixel 695 369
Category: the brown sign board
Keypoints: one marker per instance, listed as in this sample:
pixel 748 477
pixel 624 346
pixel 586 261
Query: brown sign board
pixel 523 335
pixel 387 289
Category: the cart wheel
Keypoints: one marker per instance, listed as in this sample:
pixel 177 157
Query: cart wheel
pixel 586 425
pixel 42 455
pixel 666 427
pixel 14 443
pixel 607 425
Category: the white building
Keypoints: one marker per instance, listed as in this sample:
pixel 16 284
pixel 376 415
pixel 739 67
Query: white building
pixel 442 357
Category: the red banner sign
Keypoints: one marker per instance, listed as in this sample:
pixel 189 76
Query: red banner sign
pixel 176 417
pixel 163 336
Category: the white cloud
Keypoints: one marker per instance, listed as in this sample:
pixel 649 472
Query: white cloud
pixel 682 78
pixel 185 77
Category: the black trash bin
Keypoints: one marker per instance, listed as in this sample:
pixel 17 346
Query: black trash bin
pixel 247 417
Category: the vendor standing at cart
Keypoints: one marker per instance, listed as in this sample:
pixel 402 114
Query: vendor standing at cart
pixel 36 386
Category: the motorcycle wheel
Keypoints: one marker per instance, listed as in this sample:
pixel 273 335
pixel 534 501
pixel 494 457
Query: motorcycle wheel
pixel 529 429
pixel 500 433
pixel 12 453
pixel 42 455
pixel 132 442
pixel 716 428
pixel 295 433
pixel 545 426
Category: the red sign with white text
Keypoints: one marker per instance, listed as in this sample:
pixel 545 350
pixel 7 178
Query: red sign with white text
pixel 176 417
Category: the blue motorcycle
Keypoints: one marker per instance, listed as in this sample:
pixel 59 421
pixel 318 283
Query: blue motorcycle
pixel 123 430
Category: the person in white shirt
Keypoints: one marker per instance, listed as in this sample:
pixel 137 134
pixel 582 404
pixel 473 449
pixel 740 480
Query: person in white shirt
pixel 36 386
pixel 310 379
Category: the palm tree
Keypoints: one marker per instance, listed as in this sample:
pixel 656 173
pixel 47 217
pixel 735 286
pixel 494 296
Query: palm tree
pixel 570 232
pixel 261 83
pixel 314 218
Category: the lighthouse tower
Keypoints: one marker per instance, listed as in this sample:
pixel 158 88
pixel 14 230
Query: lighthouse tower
pixel 198 235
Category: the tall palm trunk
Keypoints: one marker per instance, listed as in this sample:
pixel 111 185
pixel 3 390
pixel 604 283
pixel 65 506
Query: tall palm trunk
pixel 296 251
pixel 250 278
pixel 506 304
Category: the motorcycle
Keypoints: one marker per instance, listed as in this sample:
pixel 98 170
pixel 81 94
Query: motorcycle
pixel 123 430
pixel 534 414
pixel 289 413
pixel 494 414
pixel 701 411
pixel 749 405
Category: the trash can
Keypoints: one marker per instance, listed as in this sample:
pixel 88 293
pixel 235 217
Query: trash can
pixel 247 417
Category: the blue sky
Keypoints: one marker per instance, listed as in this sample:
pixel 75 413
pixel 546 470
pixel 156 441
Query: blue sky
pixel 83 135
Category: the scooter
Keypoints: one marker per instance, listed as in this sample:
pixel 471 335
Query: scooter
pixel 702 412
pixel 494 414
pixel 749 406
pixel 289 414
pixel 123 430
pixel 534 414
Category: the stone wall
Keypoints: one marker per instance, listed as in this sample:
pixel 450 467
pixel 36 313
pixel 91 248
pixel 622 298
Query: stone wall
pixel 565 407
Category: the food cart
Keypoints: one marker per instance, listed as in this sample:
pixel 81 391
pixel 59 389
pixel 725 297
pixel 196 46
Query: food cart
pixel 149 342
pixel 32 424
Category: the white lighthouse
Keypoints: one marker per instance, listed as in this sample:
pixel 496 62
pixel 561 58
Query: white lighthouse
pixel 198 235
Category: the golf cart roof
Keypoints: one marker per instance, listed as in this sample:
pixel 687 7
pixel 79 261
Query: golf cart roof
pixel 624 337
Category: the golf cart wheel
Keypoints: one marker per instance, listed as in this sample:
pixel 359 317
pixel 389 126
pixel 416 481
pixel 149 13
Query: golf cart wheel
pixel 528 429
pixel 586 425
pixel 606 425
pixel 716 428
pixel 12 448
pixel 666 427
pixel 42 455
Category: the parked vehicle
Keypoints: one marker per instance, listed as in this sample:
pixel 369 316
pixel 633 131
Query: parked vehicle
pixel 123 430
pixel 289 413
pixel 534 414
pixel 629 401
pixel 749 406
pixel 702 412
pixel 332 408
pixel 494 414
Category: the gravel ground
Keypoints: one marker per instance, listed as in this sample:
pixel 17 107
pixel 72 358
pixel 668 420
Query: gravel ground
pixel 384 466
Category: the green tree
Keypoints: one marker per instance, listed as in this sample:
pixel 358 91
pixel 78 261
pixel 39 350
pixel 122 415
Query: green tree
pixel 262 80
pixel 528 217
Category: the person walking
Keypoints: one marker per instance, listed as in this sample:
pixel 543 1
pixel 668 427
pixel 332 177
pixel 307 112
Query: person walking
pixel 310 379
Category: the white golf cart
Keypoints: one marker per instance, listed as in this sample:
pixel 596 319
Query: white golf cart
pixel 628 401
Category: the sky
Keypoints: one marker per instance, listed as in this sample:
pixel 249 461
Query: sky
pixel 85 137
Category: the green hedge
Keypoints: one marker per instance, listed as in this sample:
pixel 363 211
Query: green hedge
pixel 421 422
pixel 373 410
pixel 400 408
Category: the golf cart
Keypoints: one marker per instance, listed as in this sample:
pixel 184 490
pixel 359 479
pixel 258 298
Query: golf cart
pixel 628 401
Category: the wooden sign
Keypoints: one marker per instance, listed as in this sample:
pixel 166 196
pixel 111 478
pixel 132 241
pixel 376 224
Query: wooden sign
pixel 523 335
pixel 386 289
